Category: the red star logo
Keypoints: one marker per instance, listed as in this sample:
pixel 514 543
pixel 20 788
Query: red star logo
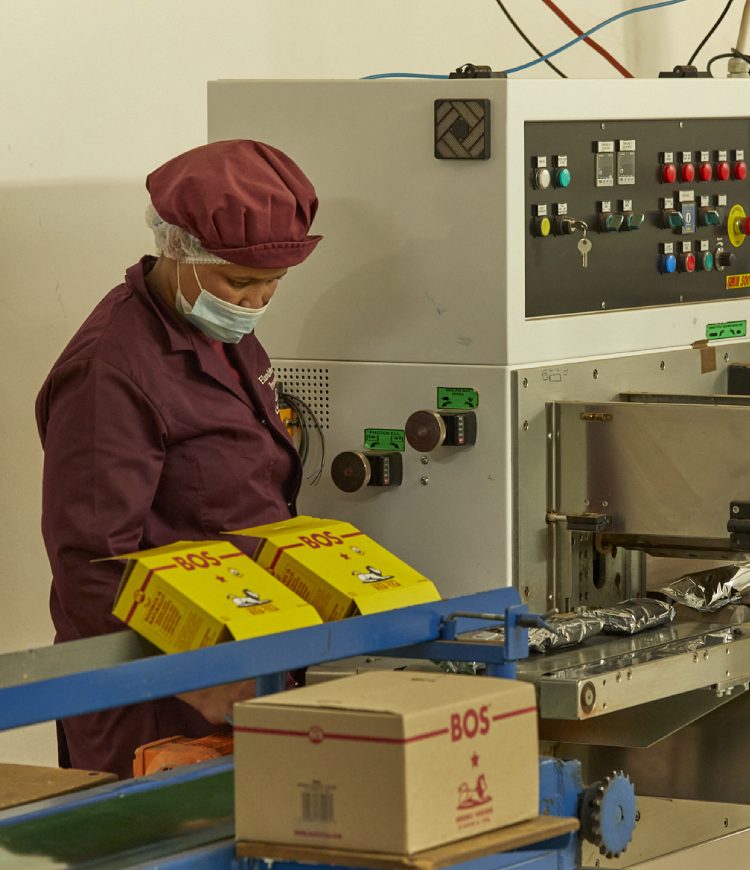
pixel 475 760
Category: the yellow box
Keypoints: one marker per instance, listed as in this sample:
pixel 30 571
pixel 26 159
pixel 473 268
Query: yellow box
pixel 337 568
pixel 193 594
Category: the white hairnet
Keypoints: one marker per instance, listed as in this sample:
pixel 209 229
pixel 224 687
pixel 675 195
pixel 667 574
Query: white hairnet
pixel 176 243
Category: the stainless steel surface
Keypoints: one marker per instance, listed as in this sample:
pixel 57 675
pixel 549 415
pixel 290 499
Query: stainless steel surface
pixel 555 567
pixel 606 675
pixel 659 470
pixel 682 835
pixel 636 727
pixel 706 760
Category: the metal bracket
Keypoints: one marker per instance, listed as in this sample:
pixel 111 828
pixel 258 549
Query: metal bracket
pixel 591 522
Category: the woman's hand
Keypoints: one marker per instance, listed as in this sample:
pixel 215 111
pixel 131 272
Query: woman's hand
pixel 215 704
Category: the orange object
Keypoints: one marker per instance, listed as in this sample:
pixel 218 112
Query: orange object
pixel 175 751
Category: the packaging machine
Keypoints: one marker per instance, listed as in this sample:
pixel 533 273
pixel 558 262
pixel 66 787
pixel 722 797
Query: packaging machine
pixel 531 304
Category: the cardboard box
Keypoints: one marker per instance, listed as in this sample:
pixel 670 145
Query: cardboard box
pixel 198 593
pixel 337 568
pixel 386 761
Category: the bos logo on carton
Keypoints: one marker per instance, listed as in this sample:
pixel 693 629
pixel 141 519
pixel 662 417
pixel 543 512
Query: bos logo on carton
pixel 470 723
pixel 191 561
pixel 324 539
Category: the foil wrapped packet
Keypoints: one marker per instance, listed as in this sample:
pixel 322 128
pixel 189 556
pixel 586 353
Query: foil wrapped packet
pixel 569 631
pixel 707 591
pixel 634 615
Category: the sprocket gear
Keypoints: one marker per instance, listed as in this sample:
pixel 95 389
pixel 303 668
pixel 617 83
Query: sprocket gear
pixel 608 814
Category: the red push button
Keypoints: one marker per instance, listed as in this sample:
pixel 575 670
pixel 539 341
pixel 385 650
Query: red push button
pixel 744 226
pixel 723 171
pixel 740 170
pixel 687 172
pixel 705 172
pixel 669 173
pixel 687 263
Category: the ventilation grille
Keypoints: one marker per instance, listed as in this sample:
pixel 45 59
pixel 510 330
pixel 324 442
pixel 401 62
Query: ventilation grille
pixel 310 385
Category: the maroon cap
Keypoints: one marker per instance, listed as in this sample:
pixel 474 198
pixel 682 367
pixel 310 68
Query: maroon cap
pixel 246 202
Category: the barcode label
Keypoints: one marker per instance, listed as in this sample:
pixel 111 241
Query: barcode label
pixel 317 802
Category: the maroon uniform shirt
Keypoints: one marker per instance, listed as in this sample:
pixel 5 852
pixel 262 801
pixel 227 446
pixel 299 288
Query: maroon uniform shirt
pixel 149 438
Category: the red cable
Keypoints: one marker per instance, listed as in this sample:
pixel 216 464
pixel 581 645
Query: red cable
pixel 588 40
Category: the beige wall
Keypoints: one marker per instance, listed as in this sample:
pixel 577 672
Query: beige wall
pixel 95 93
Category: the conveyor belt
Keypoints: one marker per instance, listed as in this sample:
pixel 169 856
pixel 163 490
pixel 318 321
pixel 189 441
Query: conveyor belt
pixel 123 824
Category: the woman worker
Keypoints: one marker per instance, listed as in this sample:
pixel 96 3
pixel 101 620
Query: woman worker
pixel 159 420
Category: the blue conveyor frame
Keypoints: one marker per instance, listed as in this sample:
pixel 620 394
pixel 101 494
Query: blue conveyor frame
pixel 50 683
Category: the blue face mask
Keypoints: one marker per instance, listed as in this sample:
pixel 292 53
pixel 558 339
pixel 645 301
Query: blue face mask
pixel 216 318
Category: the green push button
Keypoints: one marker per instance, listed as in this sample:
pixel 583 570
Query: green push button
pixel 707 261
pixel 563 177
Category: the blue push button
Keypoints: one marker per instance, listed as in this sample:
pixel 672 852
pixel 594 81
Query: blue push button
pixel 668 264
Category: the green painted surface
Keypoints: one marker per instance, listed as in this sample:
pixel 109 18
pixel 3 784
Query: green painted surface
pixel 457 398
pixel 125 829
pixel 731 329
pixel 385 439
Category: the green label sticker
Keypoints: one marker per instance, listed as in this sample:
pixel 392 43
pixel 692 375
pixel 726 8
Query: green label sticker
pixel 732 329
pixel 385 439
pixel 457 398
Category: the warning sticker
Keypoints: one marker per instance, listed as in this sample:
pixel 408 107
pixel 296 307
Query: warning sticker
pixel 732 329
pixel 738 282
pixel 457 398
pixel 385 439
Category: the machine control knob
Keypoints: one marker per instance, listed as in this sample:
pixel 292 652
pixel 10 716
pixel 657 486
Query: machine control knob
pixel 740 170
pixel 633 220
pixel 706 261
pixel 564 226
pixel 687 172
pixel 723 259
pixel 705 172
pixel 563 177
pixel 668 264
pixel 542 227
pixel 542 178
pixel 353 470
pixel 709 217
pixel 610 222
pixel 672 219
pixel 687 263
pixel 723 171
pixel 669 173
pixel 427 430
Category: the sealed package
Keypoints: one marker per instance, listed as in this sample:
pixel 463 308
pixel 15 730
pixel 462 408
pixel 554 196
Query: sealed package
pixel 569 630
pixel 634 615
pixel 707 591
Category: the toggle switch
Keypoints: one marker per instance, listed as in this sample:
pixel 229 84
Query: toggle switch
pixel 709 217
pixel 609 222
pixel 353 470
pixel 427 430
pixel 633 221
pixel 672 219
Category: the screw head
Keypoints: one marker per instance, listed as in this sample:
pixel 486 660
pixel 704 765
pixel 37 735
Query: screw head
pixel 596 373
pixel 424 460
pixel 525 382
pixel 424 480
pixel 735 509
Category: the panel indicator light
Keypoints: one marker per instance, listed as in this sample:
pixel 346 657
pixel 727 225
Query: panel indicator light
pixel 723 171
pixel 563 177
pixel 669 173
pixel 705 172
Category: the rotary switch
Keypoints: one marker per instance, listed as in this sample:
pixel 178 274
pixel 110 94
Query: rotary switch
pixel 353 470
pixel 427 430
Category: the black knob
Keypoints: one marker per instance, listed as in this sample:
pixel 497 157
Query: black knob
pixel 724 259
pixel 427 430
pixel 353 470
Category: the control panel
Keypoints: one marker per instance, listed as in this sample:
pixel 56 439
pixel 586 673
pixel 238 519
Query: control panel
pixel 633 214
